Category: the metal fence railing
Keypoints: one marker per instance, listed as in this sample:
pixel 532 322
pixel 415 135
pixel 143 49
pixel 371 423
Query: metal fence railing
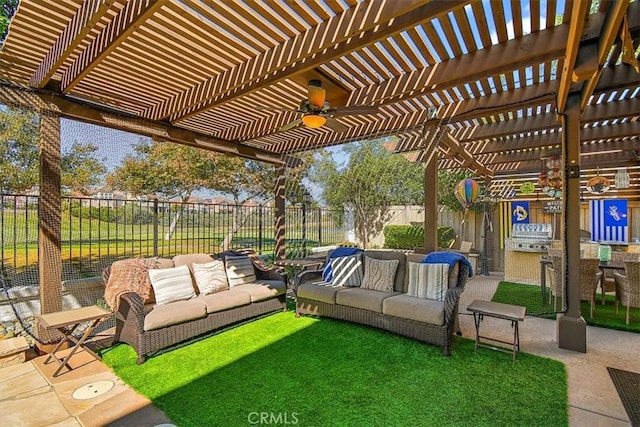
pixel 95 232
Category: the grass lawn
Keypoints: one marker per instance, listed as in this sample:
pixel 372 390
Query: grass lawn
pixel 322 372
pixel 605 315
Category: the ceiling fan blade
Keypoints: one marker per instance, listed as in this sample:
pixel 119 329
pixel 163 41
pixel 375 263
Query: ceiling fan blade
pixel 356 109
pixel 316 94
pixel 290 125
pixel 335 125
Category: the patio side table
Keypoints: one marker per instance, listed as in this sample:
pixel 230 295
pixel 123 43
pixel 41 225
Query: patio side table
pixel 514 313
pixel 66 322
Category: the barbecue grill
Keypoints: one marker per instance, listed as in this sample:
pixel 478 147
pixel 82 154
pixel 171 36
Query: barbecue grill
pixel 529 238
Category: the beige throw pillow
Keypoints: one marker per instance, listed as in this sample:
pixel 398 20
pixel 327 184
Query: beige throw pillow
pixel 379 274
pixel 428 280
pixel 211 277
pixel 239 270
pixel 171 284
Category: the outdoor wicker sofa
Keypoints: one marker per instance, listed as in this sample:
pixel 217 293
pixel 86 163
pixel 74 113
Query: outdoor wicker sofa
pixel 149 326
pixel 433 321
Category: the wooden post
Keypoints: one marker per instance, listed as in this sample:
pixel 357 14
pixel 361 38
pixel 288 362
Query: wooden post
pixel 49 226
pixel 281 245
pixel 572 328
pixel 431 202
pixel 49 215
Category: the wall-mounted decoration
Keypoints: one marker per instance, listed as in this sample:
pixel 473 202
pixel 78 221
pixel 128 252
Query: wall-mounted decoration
pixel 622 178
pixel 598 185
pixel 550 179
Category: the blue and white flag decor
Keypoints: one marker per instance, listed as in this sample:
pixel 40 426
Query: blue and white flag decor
pixel 609 220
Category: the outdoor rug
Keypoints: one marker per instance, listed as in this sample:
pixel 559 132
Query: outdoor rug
pixel 628 385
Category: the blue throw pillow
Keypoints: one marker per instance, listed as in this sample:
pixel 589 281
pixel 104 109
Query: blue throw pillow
pixel 327 272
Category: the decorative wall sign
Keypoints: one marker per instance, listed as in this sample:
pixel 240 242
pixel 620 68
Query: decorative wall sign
pixel 598 185
pixel 553 206
pixel 527 188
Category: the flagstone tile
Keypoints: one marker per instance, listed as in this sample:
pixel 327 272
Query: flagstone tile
pixel 26 412
pixel 22 385
pixel 125 409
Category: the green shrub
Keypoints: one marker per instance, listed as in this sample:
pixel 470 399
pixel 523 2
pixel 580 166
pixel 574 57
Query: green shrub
pixel 409 237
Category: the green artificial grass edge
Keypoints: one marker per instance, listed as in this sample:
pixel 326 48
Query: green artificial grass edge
pixel 604 316
pixel 319 372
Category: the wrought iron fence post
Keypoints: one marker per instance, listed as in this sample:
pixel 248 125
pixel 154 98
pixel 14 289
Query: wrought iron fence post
pixel 319 226
pixel 155 227
pixel 260 229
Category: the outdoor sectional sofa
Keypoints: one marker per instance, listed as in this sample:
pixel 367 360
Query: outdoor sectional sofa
pixel 398 308
pixel 149 323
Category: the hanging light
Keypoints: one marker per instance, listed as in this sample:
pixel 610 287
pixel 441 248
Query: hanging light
pixel 314 121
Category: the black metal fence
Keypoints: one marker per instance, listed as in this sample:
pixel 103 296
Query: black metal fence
pixel 95 232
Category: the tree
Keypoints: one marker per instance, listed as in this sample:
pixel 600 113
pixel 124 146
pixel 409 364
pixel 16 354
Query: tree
pixel 82 170
pixel 7 9
pixel 165 169
pixel 19 158
pixel 371 182
pixel 248 179
pixel 18 150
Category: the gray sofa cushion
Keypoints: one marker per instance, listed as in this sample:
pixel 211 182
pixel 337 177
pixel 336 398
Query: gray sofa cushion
pixel 418 309
pixel 225 300
pixel 174 313
pixel 400 281
pixel 263 289
pixel 319 291
pixel 365 299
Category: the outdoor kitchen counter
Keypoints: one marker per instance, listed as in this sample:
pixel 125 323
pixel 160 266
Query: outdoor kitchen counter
pixel 522 267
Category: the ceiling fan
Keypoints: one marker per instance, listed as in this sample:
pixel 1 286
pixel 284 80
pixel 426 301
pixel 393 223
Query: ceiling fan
pixel 317 112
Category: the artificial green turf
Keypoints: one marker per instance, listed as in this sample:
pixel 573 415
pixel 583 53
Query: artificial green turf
pixel 322 372
pixel 605 315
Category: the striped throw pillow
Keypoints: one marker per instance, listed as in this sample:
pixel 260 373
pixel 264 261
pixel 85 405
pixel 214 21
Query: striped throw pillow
pixel 379 274
pixel 347 270
pixel 171 284
pixel 239 270
pixel 211 277
pixel 428 281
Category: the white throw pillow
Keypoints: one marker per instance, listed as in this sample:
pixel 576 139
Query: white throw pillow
pixel 239 270
pixel 171 284
pixel 428 281
pixel 211 277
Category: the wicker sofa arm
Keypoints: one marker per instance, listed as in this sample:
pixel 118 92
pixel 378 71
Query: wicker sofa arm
pixel 453 294
pixel 131 310
pixel 451 300
pixel 272 274
pixel 306 276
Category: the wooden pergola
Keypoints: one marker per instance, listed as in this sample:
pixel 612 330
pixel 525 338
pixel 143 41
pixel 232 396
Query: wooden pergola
pixel 490 86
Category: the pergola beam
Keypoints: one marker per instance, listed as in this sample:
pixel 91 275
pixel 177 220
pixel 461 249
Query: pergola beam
pixel 492 159
pixel 394 17
pixel 611 28
pixel 116 32
pixel 69 108
pixel 579 11
pixel 471 162
pixel 587 162
pixel 73 34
